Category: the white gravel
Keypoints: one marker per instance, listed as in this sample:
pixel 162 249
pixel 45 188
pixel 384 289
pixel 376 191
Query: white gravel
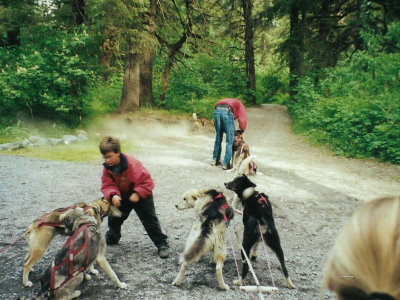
pixel 312 193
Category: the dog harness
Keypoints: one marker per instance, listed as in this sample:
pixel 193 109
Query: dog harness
pixel 261 200
pixel 252 167
pixel 61 210
pixel 223 207
pixel 70 258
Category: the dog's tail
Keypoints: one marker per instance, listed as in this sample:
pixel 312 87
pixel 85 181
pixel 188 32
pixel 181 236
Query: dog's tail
pixel 196 250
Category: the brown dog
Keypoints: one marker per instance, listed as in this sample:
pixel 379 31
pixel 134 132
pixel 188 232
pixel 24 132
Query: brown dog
pixel 240 151
pixel 42 230
pixel 81 250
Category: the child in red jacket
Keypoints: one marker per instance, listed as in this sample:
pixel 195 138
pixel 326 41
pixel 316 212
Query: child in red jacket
pixel 128 185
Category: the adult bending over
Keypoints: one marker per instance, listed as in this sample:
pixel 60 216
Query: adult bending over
pixel 225 112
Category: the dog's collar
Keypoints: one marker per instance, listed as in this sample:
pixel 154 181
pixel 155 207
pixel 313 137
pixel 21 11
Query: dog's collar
pixel 248 192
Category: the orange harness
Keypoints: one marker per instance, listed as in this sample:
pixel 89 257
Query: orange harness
pixel 70 258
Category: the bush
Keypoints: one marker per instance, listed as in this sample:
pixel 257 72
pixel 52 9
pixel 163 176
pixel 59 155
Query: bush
pixel 355 108
pixel 196 86
pixel 50 76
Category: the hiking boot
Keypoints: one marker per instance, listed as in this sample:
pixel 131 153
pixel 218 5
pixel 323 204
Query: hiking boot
pixel 163 252
pixel 111 239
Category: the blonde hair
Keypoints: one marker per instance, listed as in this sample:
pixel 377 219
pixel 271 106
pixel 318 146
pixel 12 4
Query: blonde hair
pixel 366 255
pixel 110 143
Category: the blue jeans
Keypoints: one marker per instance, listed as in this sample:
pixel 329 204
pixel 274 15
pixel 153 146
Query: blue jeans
pixel 223 122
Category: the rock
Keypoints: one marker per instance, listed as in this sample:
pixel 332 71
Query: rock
pixel 54 142
pixel 82 137
pixel 6 146
pixel 34 138
pixel 16 145
pixel 69 139
pixel 38 141
pixel 27 143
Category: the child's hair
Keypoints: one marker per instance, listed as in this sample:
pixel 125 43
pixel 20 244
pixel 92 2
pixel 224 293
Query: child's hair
pixel 365 261
pixel 109 143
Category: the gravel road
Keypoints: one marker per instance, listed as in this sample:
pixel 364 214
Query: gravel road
pixel 312 192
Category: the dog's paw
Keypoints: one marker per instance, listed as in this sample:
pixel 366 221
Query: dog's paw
pixel 237 281
pixel 94 271
pixel 76 294
pixel 176 282
pixel 28 283
pixel 289 283
pixel 225 287
pixel 123 285
pixel 87 276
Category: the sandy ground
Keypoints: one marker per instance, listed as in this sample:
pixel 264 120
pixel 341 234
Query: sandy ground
pixel 313 193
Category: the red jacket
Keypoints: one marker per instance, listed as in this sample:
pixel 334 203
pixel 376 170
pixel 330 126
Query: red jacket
pixel 133 177
pixel 239 111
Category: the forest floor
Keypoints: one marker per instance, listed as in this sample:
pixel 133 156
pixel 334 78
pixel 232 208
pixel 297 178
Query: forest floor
pixel 312 192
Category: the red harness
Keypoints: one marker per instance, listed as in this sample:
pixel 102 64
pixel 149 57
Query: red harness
pixel 252 167
pixel 70 258
pixel 223 207
pixel 261 200
pixel 62 210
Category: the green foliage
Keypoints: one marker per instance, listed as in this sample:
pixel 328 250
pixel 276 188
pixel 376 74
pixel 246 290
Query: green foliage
pixel 105 97
pixel 84 151
pixel 356 107
pixel 50 77
pixel 202 81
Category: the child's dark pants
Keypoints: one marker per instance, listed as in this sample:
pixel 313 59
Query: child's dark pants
pixel 147 214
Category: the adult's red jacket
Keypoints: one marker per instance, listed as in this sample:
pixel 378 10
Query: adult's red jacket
pixel 132 177
pixel 238 109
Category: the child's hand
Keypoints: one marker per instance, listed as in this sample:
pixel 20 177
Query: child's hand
pixel 116 200
pixel 134 197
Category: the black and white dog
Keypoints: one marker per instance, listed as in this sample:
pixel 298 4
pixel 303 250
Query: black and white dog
pixel 208 231
pixel 257 214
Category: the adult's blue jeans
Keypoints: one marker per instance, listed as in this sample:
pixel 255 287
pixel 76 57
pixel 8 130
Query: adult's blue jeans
pixel 223 122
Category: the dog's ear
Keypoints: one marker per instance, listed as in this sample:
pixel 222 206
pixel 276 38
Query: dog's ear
pixel 62 217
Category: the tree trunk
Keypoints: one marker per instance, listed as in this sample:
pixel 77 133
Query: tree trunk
pixel 79 12
pixel 296 52
pixel 167 69
pixel 249 49
pixel 173 49
pixel 146 63
pixel 146 77
pixel 131 85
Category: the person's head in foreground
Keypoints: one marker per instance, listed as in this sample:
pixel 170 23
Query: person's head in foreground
pixel 365 260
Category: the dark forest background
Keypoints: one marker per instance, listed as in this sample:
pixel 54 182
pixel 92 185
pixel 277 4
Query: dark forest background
pixel 334 63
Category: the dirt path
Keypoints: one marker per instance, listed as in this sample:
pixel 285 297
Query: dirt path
pixel 312 193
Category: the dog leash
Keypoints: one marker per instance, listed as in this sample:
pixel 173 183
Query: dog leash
pixel 237 267
pixel 13 243
pixel 266 254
